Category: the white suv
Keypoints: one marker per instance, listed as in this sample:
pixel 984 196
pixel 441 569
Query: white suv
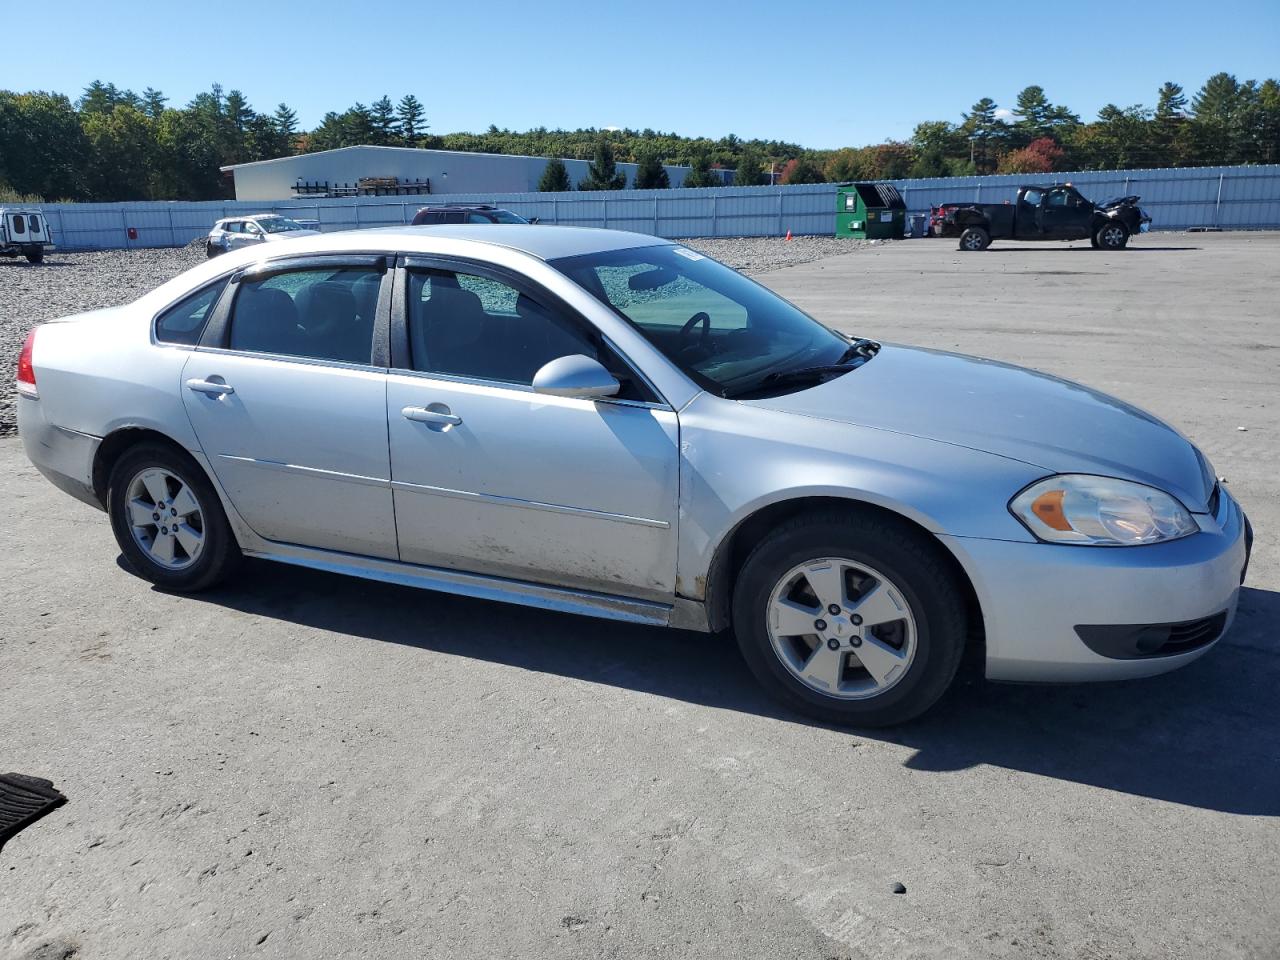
pixel 231 233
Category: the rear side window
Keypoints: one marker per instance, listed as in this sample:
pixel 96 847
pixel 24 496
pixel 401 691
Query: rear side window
pixel 35 223
pixel 323 314
pixel 184 322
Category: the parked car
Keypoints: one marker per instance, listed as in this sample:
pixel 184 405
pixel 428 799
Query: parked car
pixel 1057 212
pixel 24 233
pixel 611 424
pixel 938 214
pixel 464 213
pixel 231 233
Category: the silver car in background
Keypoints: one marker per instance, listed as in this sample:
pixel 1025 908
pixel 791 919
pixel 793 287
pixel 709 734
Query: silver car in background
pixel 233 233
pixel 612 424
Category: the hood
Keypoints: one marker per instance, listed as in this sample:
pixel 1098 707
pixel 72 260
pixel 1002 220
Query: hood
pixel 289 235
pixel 1009 411
pixel 1114 202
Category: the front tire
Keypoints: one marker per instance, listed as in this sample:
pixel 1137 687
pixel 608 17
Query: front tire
pixel 1112 235
pixel 168 520
pixel 34 255
pixel 974 239
pixel 851 618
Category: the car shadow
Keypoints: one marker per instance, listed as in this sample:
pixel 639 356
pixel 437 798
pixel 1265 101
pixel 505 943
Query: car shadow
pixel 1203 736
pixel 1084 248
pixel 21 264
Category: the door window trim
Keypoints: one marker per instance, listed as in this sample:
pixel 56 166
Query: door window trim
pixel 401 359
pixel 217 330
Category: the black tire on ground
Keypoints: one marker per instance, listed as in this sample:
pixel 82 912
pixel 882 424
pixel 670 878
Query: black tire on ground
pixel 211 251
pixel 1112 235
pixel 217 558
pixel 1093 242
pixel 909 558
pixel 34 254
pixel 974 238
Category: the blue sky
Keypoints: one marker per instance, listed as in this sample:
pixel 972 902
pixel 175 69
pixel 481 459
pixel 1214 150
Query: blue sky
pixel 823 74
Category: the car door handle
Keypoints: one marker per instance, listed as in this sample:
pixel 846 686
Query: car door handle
pixel 210 387
pixel 423 415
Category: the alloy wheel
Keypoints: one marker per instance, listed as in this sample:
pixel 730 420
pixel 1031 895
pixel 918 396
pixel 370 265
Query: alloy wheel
pixel 841 628
pixel 165 518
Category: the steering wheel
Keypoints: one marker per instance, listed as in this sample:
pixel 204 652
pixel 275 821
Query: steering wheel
pixel 704 338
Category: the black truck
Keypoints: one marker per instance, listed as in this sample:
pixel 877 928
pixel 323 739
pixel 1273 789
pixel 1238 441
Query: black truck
pixel 1055 212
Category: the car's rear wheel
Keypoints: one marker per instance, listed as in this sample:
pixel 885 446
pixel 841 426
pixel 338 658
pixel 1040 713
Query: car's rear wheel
pixel 168 520
pixel 975 238
pixel 211 249
pixel 850 618
pixel 1112 236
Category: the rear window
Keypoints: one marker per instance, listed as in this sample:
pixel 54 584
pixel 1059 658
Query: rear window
pixel 184 321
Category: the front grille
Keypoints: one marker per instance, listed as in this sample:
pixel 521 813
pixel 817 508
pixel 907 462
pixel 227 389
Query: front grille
pixel 1193 633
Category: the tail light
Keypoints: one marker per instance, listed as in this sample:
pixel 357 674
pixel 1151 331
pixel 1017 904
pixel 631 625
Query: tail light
pixel 27 372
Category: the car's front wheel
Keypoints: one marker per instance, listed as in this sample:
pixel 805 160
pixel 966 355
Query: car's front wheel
pixel 850 618
pixel 168 520
pixel 1112 236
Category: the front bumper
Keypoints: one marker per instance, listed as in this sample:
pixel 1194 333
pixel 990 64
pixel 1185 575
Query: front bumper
pixel 1035 595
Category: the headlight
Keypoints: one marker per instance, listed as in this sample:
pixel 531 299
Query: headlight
pixel 1100 511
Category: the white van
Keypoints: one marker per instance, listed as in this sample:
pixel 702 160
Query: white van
pixel 24 233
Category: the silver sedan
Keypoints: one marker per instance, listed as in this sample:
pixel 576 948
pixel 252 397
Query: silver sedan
pixel 615 425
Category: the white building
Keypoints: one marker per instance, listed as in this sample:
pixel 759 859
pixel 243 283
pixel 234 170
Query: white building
pixel 413 170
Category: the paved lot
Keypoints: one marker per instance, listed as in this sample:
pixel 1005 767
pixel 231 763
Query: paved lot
pixel 305 766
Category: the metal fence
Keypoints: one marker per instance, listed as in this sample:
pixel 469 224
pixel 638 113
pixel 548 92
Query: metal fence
pixel 1232 198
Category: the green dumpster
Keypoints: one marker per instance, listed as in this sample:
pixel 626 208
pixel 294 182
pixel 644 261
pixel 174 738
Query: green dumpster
pixel 870 211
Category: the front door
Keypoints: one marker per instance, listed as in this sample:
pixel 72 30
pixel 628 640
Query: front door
pixel 290 409
pixel 1067 215
pixel 1027 219
pixel 493 478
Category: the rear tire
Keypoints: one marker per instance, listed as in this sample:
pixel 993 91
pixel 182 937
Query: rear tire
pixel 211 251
pixel 1112 235
pixel 875 670
pixel 168 520
pixel 35 255
pixel 974 239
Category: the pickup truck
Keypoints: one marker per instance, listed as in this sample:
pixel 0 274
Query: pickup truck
pixel 1055 212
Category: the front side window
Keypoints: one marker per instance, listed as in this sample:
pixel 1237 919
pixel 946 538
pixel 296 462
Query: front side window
pixel 279 225
pixel 471 326
pixel 477 218
pixel 729 333
pixel 506 216
pixel 1058 198
pixel 320 313
pixel 1032 198
pixel 35 223
pixel 184 321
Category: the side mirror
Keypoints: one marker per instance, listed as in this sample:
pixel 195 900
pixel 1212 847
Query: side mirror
pixel 575 376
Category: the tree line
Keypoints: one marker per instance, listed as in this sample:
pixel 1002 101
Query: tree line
pixel 115 144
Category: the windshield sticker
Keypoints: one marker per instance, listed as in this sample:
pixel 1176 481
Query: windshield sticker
pixel 686 252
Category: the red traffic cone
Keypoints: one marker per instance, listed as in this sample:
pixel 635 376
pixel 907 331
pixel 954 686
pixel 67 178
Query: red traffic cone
pixel 788 234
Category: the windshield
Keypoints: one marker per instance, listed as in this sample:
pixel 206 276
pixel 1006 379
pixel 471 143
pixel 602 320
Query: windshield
pixel 506 216
pixel 727 332
pixel 278 224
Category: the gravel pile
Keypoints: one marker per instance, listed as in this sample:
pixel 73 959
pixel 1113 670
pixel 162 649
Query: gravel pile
pixel 756 255
pixel 73 282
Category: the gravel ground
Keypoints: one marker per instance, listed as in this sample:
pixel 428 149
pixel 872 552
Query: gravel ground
pixel 73 282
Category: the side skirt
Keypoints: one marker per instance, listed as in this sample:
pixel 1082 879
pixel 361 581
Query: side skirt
pixel 560 599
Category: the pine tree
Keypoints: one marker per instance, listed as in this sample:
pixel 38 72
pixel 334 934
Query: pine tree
pixel 412 121
pixel 555 178
pixel 1171 103
pixel 749 172
pixel 651 174
pixel 153 102
pixel 1218 99
pixel 286 122
pixel 382 116
pixel 700 174
pixel 603 173
pixel 238 111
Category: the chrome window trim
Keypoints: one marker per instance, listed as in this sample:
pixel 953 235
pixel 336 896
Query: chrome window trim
pixel 525 389
pixel 291 358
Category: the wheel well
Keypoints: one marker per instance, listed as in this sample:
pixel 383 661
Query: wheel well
pixel 113 447
pixel 742 539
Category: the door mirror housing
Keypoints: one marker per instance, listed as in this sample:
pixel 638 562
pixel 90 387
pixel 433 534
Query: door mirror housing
pixel 575 376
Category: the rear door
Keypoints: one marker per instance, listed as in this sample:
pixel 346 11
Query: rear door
pixel 287 395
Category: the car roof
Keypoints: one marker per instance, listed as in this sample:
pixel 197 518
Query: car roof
pixel 459 206
pixel 543 242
